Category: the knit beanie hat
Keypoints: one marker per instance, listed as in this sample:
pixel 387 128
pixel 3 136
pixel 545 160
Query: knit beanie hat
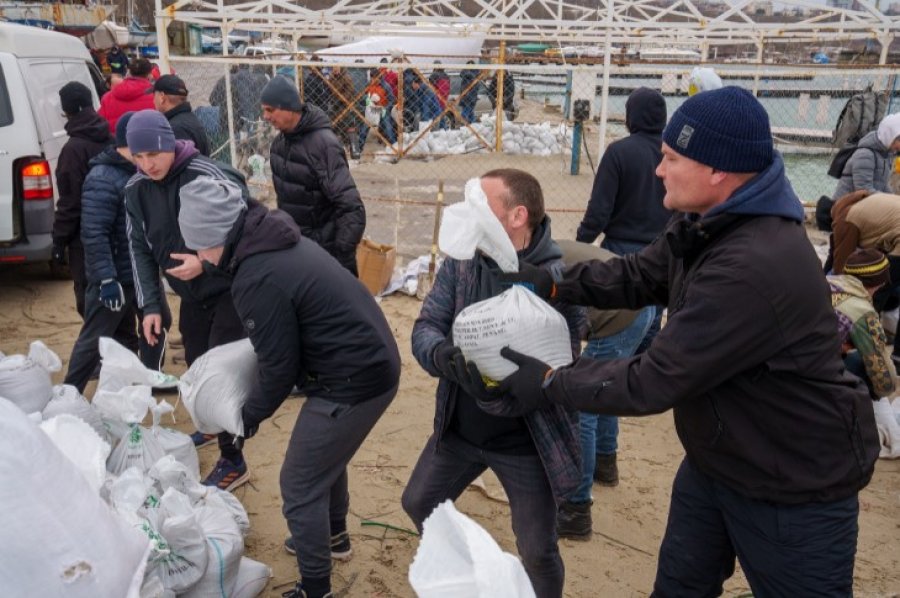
pixel 75 97
pixel 280 92
pixel 149 131
pixel 870 266
pixel 889 129
pixel 209 209
pixel 122 128
pixel 727 129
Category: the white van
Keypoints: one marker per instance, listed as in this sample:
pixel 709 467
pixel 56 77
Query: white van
pixel 34 65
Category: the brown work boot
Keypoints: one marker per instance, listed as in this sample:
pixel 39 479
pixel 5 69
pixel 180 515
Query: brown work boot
pixel 573 521
pixel 606 472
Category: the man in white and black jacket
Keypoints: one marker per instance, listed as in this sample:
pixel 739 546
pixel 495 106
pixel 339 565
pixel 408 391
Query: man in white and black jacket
pixel 315 326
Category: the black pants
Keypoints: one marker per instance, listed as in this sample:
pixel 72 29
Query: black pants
pixel 785 550
pixel 121 325
pixel 79 280
pixel 207 325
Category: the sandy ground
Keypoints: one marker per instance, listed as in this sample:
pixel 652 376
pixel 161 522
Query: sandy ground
pixel 629 520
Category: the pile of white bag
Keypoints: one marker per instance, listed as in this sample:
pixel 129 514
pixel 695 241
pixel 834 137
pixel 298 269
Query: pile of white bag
pixel 97 504
pixel 542 139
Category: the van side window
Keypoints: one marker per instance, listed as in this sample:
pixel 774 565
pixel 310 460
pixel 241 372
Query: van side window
pixel 6 115
pixel 97 79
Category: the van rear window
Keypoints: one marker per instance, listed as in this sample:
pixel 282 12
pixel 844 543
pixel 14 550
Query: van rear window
pixel 6 115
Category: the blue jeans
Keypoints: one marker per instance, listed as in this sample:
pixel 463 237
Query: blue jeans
pixel 599 432
pixel 620 247
pixel 446 468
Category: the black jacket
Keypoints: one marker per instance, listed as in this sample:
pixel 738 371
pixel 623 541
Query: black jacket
pixel 103 230
pixel 749 358
pixel 186 125
pixel 627 199
pixel 88 135
pixel 152 209
pixel 312 324
pixel 314 185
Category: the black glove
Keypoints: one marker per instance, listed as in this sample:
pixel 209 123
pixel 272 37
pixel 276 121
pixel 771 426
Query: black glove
pixel 471 381
pixel 58 254
pixel 111 295
pixel 525 386
pixel 535 279
pixel 251 425
pixel 443 357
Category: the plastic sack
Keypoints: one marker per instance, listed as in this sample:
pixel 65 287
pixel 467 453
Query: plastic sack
pixel 888 428
pixel 119 367
pixel 457 557
pixel 81 445
pixel 516 318
pixel 175 443
pixel 224 546
pixel 67 400
pixel 57 536
pixel 252 577
pixel 217 385
pixel 471 225
pixel 25 380
pixel 183 562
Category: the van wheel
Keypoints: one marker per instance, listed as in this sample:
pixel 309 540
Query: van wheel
pixel 59 272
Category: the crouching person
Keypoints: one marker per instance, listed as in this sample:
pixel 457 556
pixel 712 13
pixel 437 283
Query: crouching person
pixel 313 325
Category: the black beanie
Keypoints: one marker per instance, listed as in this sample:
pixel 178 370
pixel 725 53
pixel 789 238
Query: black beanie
pixel 75 97
pixel 281 93
pixel 122 129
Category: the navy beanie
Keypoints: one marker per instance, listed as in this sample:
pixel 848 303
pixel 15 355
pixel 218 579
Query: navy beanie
pixel 727 129
pixel 75 97
pixel 122 127
pixel 280 92
pixel 149 131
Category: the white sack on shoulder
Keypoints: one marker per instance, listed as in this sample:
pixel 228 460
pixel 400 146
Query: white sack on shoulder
pixel 25 380
pixel 457 557
pixel 217 385
pixel 518 319
pixel 470 225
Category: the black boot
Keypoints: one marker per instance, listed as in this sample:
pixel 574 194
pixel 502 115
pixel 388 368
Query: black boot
pixel 606 472
pixel 573 521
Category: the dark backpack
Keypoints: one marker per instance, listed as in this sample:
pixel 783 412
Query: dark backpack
pixel 841 158
pixel 861 114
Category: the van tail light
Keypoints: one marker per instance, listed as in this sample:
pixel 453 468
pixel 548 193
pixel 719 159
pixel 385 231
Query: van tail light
pixel 36 180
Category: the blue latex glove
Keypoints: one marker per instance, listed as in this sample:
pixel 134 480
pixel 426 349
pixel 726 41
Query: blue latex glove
pixel 111 294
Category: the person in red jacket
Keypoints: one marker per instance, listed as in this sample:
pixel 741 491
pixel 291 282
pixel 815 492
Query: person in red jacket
pixel 134 93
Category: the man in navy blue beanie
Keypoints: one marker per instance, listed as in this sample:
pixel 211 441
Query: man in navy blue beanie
pixel 779 439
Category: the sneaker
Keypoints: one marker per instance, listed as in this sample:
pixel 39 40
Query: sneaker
pixel 227 476
pixel 606 472
pixel 340 547
pixel 299 592
pixel 200 439
pixel 573 521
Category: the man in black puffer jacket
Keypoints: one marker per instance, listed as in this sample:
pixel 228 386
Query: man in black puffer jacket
pixel 312 325
pixel 170 97
pixel 778 437
pixel 312 179
pixel 88 136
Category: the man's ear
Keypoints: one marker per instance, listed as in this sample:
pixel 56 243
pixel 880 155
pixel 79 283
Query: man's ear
pixel 520 216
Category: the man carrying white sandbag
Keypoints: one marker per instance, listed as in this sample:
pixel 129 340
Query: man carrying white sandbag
pixel 536 457
pixel 314 325
pixel 779 438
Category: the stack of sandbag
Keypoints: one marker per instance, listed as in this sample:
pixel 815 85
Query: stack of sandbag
pixel 123 411
pixel 217 385
pixel 67 400
pixel 25 379
pixel 57 536
pixel 175 443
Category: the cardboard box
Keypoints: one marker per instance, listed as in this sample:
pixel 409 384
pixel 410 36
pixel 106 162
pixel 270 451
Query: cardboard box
pixel 375 263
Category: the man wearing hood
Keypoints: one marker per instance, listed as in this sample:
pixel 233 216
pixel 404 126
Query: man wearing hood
pixel 779 437
pixel 311 175
pixel 88 136
pixel 869 167
pixel 313 325
pixel 130 95
pixel 207 317
pixel 535 456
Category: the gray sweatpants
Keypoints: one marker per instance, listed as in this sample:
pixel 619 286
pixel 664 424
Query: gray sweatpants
pixel 314 474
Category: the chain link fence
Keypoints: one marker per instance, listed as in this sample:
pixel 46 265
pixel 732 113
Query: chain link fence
pixel 408 127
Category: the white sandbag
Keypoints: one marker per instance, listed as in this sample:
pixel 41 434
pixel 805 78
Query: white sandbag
pixel 888 429
pixel 175 443
pixel 25 380
pixel 57 537
pixel 217 385
pixel 67 399
pixel 186 557
pixel 139 448
pixel 457 557
pixel 471 225
pixel 119 367
pixel 516 318
pixel 252 577
pixel 81 445
pixel 224 546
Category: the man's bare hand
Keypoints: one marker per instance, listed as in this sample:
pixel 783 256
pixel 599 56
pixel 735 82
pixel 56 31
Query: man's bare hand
pixel 152 325
pixel 191 266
